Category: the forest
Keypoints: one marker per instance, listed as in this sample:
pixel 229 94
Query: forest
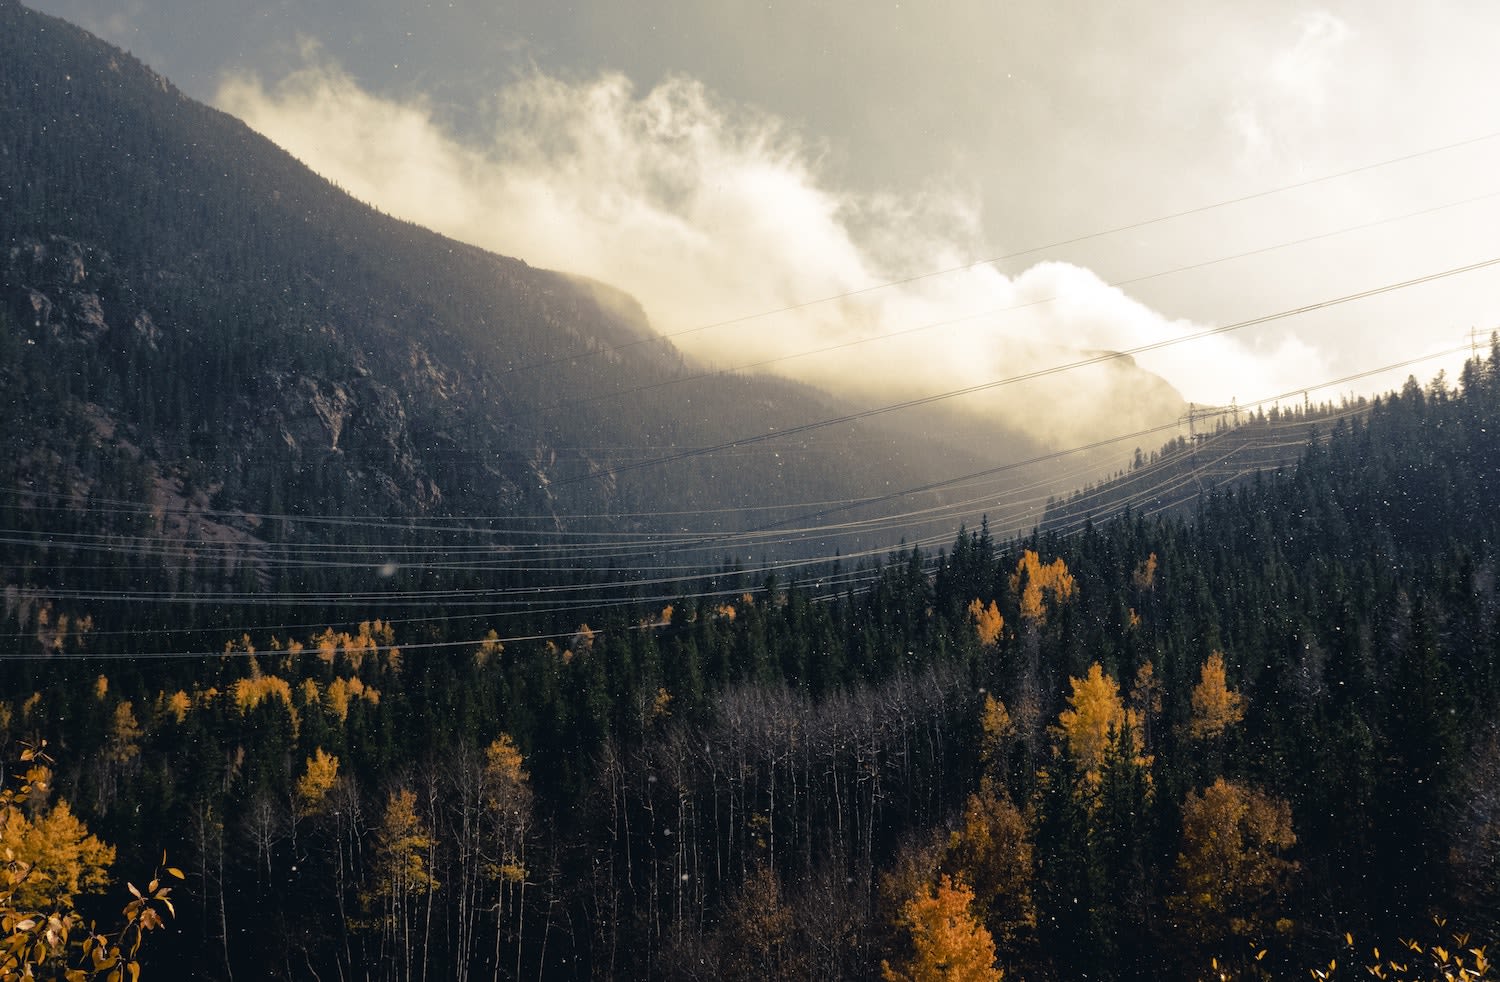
pixel 1250 741
pixel 314 666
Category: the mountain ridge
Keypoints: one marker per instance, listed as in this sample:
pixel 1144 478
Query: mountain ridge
pixel 251 329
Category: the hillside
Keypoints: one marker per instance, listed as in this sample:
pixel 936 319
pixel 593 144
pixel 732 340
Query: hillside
pixel 1160 743
pixel 1222 454
pixel 198 328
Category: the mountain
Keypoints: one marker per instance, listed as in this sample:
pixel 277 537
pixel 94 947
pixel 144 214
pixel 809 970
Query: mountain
pixel 203 337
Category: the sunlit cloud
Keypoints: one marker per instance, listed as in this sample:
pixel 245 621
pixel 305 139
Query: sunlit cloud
pixel 711 212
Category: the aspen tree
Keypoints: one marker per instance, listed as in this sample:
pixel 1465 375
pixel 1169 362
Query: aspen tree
pixel 948 943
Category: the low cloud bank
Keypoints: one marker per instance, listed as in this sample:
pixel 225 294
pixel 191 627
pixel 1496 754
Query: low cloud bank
pixel 712 213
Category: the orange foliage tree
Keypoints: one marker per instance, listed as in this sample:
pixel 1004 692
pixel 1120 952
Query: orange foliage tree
pixel 46 863
pixel 988 622
pixel 1033 583
pixel 995 851
pixel 1231 867
pixel 948 943
pixel 1215 706
pixel 1096 720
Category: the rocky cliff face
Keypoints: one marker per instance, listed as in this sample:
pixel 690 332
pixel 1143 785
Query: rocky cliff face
pixel 350 416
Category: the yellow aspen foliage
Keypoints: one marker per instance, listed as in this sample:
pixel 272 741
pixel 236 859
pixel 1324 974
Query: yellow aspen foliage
pixel 727 612
pixel 29 706
pixel 503 761
pixel 1144 577
pixel 1215 706
pixel 1033 583
pixel 53 632
pixel 124 732
pixel 251 692
pixel 1096 716
pixel 44 862
pixel 101 688
pixel 1231 866
pixel 313 786
pixel 994 850
pixel 57 856
pixel 399 871
pixel 370 638
pixel 177 705
pixel 489 649
pixel 293 647
pixel 759 932
pixel 508 799
pixel 948 943
pixel 583 640
pixel 248 693
pixel 336 698
pixel 327 644
pixel 987 621
pixel 242 644
pixel 400 842
pixel 355 688
pixel 380 633
pixel 996 728
pixel 666 616
pixel 310 694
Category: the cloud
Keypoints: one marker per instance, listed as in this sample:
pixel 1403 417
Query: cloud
pixel 1285 104
pixel 710 212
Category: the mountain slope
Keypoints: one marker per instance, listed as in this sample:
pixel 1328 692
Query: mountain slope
pixel 184 296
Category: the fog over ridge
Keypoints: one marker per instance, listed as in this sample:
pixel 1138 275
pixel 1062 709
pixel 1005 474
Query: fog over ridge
pixel 708 211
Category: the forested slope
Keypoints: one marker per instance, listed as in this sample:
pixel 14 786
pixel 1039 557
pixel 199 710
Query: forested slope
pixel 192 323
pixel 1125 753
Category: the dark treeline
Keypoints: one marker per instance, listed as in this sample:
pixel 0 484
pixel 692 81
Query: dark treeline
pixel 1224 448
pixel 756 784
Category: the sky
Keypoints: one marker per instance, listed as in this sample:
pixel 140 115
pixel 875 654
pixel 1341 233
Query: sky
pixel 815 188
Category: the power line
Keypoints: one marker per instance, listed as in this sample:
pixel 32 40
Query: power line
pixel 596 596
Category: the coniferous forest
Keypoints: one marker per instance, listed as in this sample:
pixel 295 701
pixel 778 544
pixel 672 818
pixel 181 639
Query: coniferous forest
pixel 1233 736
pixel 258 645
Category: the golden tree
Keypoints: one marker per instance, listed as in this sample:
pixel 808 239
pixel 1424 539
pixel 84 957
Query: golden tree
pixel 1215 706
pixel 994 850
pixel 1144 577
pixel 758 932
pixel 401 876
pixel 507 800
pixel 313 786
pixel 997 730
pixel 948 943
pixel 1231 865
pixel 988 622
pixel 1095 720
pixel 46 863
pixel 1033 582
pixel 60 857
